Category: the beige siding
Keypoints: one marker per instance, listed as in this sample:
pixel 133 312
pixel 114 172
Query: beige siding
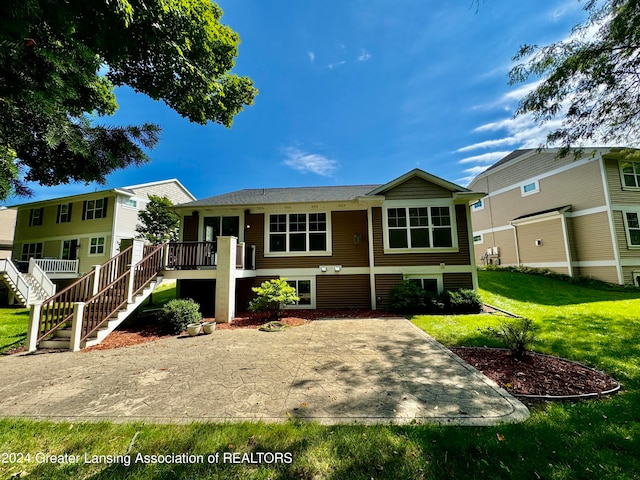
pixel 343 291
pixel 505 241
pixel 614 182
pixel 127 220
pixel 7 229
pixel 592 237
pixel 551 235
pixel 606 274
pixel 416 188
pixel 631 275
pixel 461 257
pixel 52 249
pixel 454 281
pixel 384 283
pixel 171 190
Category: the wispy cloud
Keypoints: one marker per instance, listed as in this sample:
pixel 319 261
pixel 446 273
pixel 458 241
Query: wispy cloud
pixel 336 64
pixel 312 56
pixel 485 157
pixel 364 56
pixel 309 162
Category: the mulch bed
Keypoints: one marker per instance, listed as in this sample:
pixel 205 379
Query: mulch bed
pixel 536 374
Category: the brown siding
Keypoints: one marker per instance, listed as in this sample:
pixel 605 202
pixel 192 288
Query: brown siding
pixel 552 248
pixel 344 226
pixel 454 281
pixel 343 291
pixel 461 257
pixel 384 283
pixel 244 292
pixel 190 228
pixel 416 187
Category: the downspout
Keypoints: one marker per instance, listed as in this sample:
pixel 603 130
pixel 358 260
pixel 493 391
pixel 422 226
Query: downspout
pixel 114 226
pixel 472 250
pixel 515 236
pixel 372 259
pixel 565 235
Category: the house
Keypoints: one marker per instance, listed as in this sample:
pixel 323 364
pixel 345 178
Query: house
pixel 68 235
pixel 573 216
pixel 340 246
pixel 7 227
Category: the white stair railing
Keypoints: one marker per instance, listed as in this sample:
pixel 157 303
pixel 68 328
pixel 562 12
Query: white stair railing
pixel 20 284
pixel 40 276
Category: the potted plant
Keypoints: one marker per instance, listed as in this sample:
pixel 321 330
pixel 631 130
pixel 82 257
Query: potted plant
pixel 194 329
pixel 208 327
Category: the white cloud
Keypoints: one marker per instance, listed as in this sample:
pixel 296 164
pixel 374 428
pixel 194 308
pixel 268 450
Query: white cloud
pixel 312 56
pixel 309 162
pixel 336 64
pixel 364 56
pixel 485 157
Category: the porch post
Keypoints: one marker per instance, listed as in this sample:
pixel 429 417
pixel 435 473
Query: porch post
pixel 76 328
pixel 96 280
pixel 33 329
pixel 226 279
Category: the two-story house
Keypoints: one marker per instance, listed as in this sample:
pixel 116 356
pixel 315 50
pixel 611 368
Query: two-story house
pixel 68 235
pixel 573 216
pixel 340 246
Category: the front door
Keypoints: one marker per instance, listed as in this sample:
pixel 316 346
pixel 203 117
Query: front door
pixel 221 226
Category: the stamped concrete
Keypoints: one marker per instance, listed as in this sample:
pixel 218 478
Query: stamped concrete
pixel 330 371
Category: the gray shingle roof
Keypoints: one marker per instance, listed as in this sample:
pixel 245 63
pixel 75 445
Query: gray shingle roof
pixel 264 196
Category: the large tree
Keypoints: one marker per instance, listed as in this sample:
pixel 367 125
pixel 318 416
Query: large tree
pixel 61 61
pixel 590 80
pixel 158 223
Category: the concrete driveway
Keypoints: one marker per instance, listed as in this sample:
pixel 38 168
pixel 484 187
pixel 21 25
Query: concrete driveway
pixel 330 371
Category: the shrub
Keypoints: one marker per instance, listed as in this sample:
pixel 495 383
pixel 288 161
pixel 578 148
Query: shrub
pixel 461 301
pixel 409 298
pixel 178 313
pixel 517 336
pixel 273 296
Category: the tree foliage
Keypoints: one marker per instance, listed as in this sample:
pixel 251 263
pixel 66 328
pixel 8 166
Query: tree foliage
pixel 591 79
pixel 272 296
pixel 158 223
pixel 61 61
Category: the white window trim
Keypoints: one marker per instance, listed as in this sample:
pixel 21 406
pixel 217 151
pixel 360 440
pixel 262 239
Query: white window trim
pixel 444 202
pixel 104 247
pixel 626 228
pixel 531 192
pixel 94 209
pixel 319 253
pixel 625 187
pixel 475 207
pixel 634 275
pixel 437 278
pixel 130 199
pixel 312 306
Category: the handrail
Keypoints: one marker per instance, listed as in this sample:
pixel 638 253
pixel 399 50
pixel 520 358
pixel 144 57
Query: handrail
pixel 114 267
pixel 191 255
pixel 16 277
pixel 40 276
pixel 57 265
pixel 147 268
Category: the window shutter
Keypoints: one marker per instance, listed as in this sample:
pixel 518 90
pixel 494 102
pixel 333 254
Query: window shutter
pixel 58 215
pixel 69 212
pixel 104 207
pixel 31 217
pixel 84 210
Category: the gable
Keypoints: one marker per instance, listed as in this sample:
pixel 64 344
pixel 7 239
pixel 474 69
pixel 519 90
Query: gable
pixel 416 188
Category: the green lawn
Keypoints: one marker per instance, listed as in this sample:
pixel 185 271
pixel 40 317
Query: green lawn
pixel 586 440
pixel 13 327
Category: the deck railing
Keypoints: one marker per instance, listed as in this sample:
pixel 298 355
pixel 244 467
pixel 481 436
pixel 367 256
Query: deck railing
pixel 56 265
pixel 190 255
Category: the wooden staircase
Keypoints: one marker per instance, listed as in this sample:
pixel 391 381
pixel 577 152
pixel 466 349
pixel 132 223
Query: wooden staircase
pixel 26 288
pixel 84 313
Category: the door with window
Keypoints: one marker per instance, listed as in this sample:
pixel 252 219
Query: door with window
pixel 219 226
pixel 69 250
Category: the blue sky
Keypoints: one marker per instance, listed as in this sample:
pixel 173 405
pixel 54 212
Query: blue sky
pixel 354 92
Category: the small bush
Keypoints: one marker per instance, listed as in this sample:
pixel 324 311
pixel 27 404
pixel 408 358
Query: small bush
pixel 518 336
pixel 461 301
pixel 408 297
pixel 178 313
pixel 273 296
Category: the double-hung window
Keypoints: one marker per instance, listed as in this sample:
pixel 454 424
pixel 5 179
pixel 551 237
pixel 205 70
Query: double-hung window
pixel 632 224
pixel 630 172
pixel 31 250
pixel 96 246
pixel 420 227
pixel 35 216
pixel 94 209
pixel 64 213
pixel 304 289
pixel 297 233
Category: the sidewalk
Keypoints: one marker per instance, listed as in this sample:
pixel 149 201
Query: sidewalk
pixel 330 371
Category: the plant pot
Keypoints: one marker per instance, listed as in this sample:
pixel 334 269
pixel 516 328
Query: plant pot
pixel 194 329
pixel 208 327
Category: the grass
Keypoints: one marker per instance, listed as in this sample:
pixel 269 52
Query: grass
pixel 586 440
pixel 13 327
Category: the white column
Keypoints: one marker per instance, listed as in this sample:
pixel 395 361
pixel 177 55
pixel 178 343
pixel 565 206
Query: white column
pixel 34 326
pixel 76 328
pixel 226 279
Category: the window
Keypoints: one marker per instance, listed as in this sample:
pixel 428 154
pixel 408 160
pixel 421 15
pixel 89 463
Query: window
pixel 96 246
pixel 429 284
pixel 69 250
pixel 632 226
pixel 420 227
pixel 94 209
pixel 35 217
pixel 479 205
pixel 64 213
pixel 630 173
pixel 529 188
pixel 130 202
pixel 31 250
pixel 298 232
pixel 303 290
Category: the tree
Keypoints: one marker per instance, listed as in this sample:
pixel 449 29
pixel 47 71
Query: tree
pixel 158 223
pixel 592 78
pixel 272 296
pixel 61 61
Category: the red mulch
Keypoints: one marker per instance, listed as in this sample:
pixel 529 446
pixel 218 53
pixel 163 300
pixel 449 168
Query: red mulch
pixel 536 374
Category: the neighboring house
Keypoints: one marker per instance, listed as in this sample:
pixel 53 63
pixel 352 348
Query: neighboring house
pixel 573 216
pixel 7 227
pixel 69 235
pixel 341 246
